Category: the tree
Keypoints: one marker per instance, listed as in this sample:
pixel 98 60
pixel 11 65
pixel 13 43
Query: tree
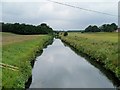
pixel 104 28
pixel 95 29
pixel 43 25
pixel 26 29
pixel 108 27
pixel 114 26
pixel 92 29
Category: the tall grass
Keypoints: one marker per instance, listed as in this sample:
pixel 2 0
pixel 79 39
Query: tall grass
pixel 101 47
pixel 20 54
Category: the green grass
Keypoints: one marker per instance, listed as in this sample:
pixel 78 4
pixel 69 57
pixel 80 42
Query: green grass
pixel 101 47
pixel 19 53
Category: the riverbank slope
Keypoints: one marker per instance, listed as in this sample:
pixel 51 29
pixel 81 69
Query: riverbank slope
pixel 101 47
pixel 17 53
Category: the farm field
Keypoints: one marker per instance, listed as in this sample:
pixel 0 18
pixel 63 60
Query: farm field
pixel 17 53
pixel 101 47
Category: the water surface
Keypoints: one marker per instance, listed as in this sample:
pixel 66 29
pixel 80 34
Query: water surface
pixel 61 67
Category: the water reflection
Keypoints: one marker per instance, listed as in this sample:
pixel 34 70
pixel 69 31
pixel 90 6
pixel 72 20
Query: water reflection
pixel 109 74
pixel 60 67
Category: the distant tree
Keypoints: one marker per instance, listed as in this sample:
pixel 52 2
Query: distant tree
pixel 108 27
pixel 92 29
pixel 26 29
pixel 65 33
pixel 43 25
pixel 95 29
pixel 114 26
pixel 88 29
pixel 104 28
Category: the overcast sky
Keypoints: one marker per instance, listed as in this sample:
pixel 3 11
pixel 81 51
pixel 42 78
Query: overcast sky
pixel 59 16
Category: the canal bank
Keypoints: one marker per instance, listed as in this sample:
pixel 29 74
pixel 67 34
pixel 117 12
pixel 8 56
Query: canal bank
pixel 60 67
pixel 17 56
pixel 109 74
pixel 37 53
pixel 99 49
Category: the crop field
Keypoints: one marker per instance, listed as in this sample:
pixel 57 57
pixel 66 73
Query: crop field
pixel 17 53
pixel 102 47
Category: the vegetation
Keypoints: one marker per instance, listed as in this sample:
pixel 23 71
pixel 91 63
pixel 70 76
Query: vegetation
pixel 65 33
pixel 101 47
pixel 104 28
pixel 26 29
pixel 92 29
pixel 17 54
pixel 109 27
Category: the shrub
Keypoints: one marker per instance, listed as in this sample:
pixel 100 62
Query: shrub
pixel 65 34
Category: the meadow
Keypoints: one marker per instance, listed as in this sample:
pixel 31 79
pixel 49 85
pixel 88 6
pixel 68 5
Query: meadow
pixel 17 53
pixel 101 47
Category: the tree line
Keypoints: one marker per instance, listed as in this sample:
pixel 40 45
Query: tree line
pixel 26 29
pixel 104 28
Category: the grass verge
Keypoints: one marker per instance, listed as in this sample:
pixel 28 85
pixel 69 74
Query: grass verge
pixel 19 54
pixel 101 47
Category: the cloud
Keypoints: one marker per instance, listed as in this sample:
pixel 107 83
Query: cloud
pixel 119 14
pixel 59 16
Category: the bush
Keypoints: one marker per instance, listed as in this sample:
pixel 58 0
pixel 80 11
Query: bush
pixel 65 34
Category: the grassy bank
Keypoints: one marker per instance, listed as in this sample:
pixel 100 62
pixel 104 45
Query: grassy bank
pixel 17 53
pixel 101 47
